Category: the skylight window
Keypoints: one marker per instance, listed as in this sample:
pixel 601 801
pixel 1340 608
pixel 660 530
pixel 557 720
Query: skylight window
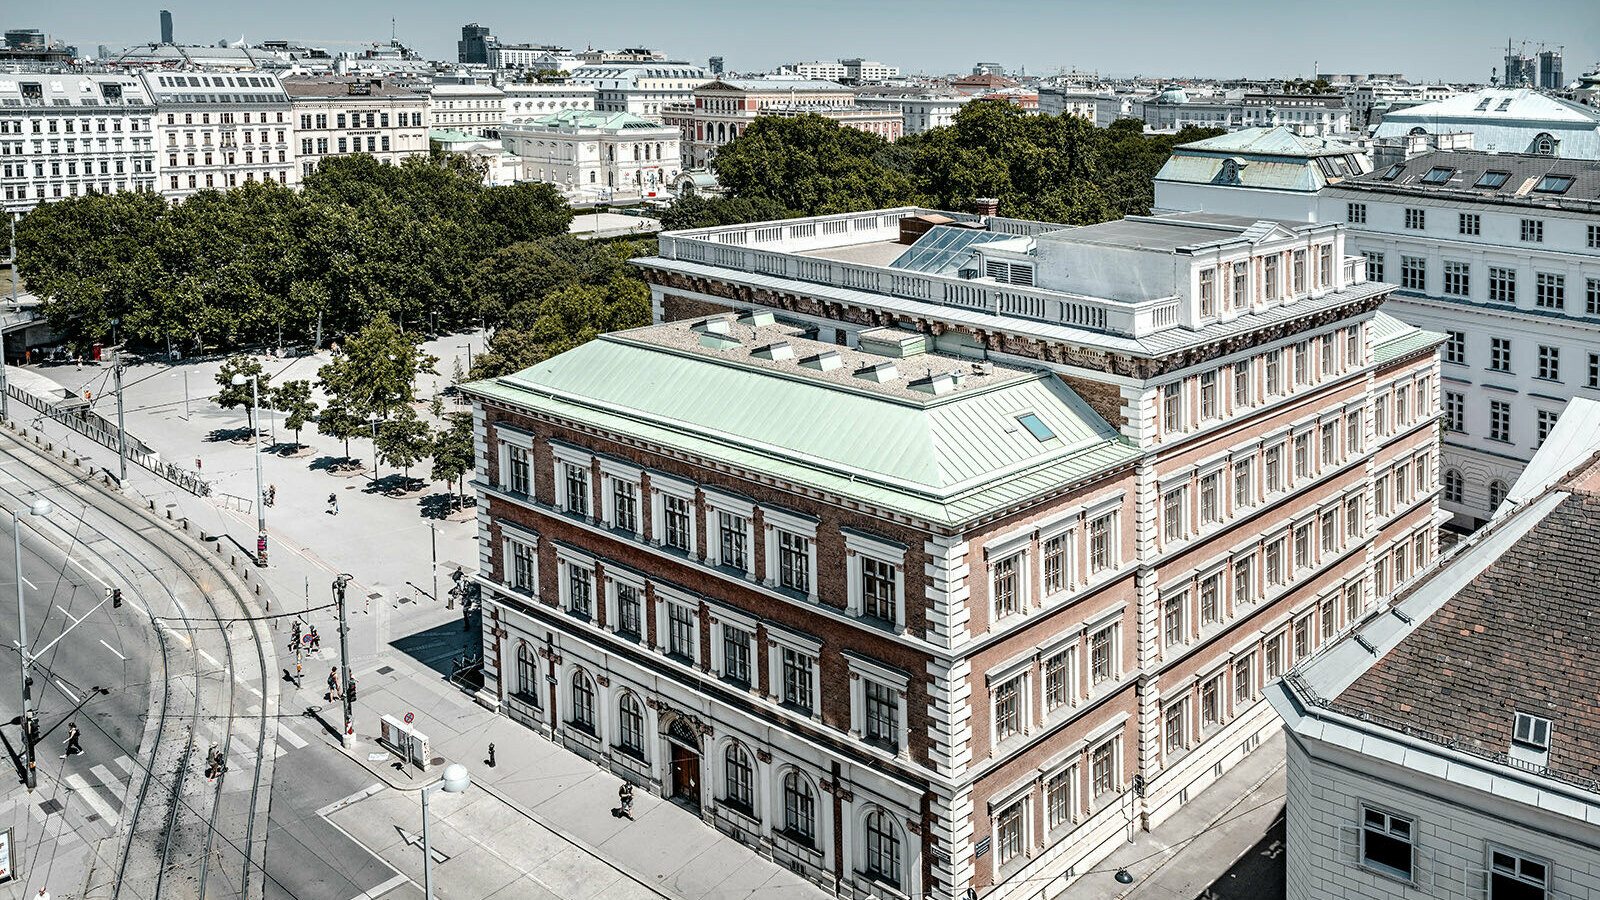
pixel 1553 184
pixel 1035 427
pixel 1491 181
pixel 1394 172
pixel 1531 731
pixel 1438 175
pixel 1483 104
pixel 1504 105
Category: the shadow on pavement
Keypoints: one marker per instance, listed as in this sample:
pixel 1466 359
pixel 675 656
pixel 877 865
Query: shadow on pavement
pixel 1259 874
pixel 437 647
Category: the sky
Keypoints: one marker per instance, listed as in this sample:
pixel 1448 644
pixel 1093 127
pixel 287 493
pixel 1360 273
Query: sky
pixel 1426 40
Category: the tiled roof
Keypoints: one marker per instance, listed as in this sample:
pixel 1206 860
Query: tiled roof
pixel 1523 636
pixel 1523 172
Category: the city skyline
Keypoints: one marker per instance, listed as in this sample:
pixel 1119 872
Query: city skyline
pixel 1170 42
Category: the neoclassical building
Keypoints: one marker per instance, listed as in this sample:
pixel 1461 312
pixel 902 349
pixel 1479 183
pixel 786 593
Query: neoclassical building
pixel 926 552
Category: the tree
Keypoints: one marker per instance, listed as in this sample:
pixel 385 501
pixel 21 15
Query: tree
pixel 696 211
pixel 453 453
pixel 812 165
pixel 340 424
pixel 403 441
pixel 230 395
pixel 294 399
pixel 376 376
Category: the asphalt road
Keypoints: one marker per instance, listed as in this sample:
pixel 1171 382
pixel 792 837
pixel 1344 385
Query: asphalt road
pixel 1258 875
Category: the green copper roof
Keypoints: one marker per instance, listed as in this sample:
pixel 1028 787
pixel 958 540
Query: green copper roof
pixel 945 458
pixel 1392 338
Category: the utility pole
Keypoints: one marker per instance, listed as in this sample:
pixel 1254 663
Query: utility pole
pixel 433 540
pixel 5 400
pixel 186 395
pixel 344 662
pixel 40 507
pixel 122 431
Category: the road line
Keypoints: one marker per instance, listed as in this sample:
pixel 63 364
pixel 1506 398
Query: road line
pixel 125 764
pixel 93 798
pixel 31 585
pixel 120 656
pixel 209 658
pixel 382 889
pixel 64 690
pixel 107 780
pixel 296 740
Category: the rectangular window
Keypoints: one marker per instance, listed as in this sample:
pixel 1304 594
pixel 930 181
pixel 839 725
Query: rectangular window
pixel 1455 413
pixel 1208 396
pixel 1302 547
pixel 1008 833
pixel 797 671
pixel 1244 688
pixel 736 654
pixel 1244 580
pixel 1172 616
pixel 1470 224
pixel 1513 876
pixel 1328 529
pixel 1055 564
pixel 1269 276
pixel 1550 363
pixel 1211 703
pixel 1499 421
pixel 1058 798
pixel 1325 265
pixel 882 714
pixel 1547 421
pixel 731 541
pixel 1175 728
pixel 1386 842
pixel 519 482
pixel 1414 273
pixel 1352 433
pixel 1456 282
pixel 1550 291
pixel 1241 381
pixel 1274 469
pixel 524 567
pixel 1302 456
pixel 878 599
pixel 1330 444
pixel 1273 557
pixel 577 489
pixel 680 632
pixel 1499 354
pixel 1302 638
pixel 1298 273
pixel 1172 406
pixel 1355 213
pixel 794 562
pixel 1594 370
pixel 1380 495
pixel 1274 372
pixel 1005 587
pixel 1172 515
pixel 1274 656
pixel 1102 666
pixel 1210 501
pixel 1374 263
pixel 1103 769
pixel 677 514
pixel 1208 292
pixel 1210 600
pixel 1594 236
pixel 1241 484
pixel 1455 347
pixel 1416 218
pixel 630 620
pixel 1241 285
pixel 1059 672
pixel 580 591
pixel 1008 709
pixel 1352 603
pixel 1302 363
pixel 1100 549
pixel 625 505
pixel 1502 285
pixel 1533 230
pixel 1591 295
pixel 1325 352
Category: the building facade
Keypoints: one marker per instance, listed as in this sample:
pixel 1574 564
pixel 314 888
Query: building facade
pixel 1447 750
pixel 526 102
pixel 67 135
pixel 334 117
pixel 643 88
pixel 478 109
pixel 921 110
pixel 1501 252
pixel 1100 107
pixel 597 154
pixel 866 71
pixel 1184 469
pixel 724 108
pixel 217 130
pixel 1272 173
pixel 1505 120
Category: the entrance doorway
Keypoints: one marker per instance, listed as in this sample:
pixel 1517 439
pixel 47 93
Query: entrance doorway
pixel 685 761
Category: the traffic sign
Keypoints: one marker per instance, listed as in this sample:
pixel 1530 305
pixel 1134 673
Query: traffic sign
pixel 410 717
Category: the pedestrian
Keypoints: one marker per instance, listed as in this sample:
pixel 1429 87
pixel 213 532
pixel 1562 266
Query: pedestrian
pixel 333 684
pixel 333 504
pixel 211 762
pixel 72 741
pixel 272 495
pixel 79 361
pixel 44 894
pixel 625 797
pixel 313 639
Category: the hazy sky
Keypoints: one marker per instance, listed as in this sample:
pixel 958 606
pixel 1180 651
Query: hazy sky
pixel 1454 40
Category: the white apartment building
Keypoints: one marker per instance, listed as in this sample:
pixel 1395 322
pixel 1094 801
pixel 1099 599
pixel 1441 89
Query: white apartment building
pixel 1502 253
pixel 1100 107
pixel 66 135
pixel 597 154
pixel 334 116
pixel 526 102
pixel 1266 172
pixel 220 130
pixel 1380 96
pixel 820 70
pixel 644 88
pixel 1504 120
pixel 921 110
pixel 866 71
pixel 532 57
pixel 471 108
pixel 1447 749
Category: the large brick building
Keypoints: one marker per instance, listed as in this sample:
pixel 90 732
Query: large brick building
pixel 933 551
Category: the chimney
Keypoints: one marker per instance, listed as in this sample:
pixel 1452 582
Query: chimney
pixel 986 206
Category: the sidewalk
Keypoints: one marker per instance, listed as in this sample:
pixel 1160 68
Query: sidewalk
pixel 1188 852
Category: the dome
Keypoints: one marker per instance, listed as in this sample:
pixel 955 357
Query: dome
pixel 1172 95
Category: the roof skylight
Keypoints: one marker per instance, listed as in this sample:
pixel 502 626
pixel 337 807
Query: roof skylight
pixel 1438 175
pixel 1036 427
pixel 1394 172
pixel 1490 181
pixel 1553 184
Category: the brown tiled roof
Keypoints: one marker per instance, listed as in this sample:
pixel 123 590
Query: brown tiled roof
pixel 1524 636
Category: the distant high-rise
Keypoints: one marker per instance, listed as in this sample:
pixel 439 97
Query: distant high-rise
pixel 25 39
pixel 474 44
pixel 714 65
pixel 166 26
pixel 1550 70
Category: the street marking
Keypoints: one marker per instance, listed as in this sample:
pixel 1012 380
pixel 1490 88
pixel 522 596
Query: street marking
pixel 382 889
pixel 75 622
pixel 106 779
pixel 291 737
pixel 247 686
pixel 93 798
pixel 31 585
pixel 64 690
pixel 209 658
pixel 125 764
pixel 113 650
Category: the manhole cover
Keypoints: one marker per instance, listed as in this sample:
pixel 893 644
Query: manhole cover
pixel 436 761
pixel 50 806
pixel 384 670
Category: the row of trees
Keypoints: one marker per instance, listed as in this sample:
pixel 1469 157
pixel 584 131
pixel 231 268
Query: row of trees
pixel 370 390
pixel 1053 168
pixel 264 263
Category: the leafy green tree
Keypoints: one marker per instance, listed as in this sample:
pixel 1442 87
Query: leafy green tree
pixel 453 454
pixel 294 399
pixel 340 424
pixel 376 376
pixel 230 395
pixel 697 211
pixel 403 441
pixel 812 165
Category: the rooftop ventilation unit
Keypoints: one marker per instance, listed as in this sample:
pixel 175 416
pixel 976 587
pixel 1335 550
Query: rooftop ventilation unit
pixel 779 350
pixel 935 384
pixel 756 318
pixel 826 361
pixel 880 373
pixel 715 325
pixel 983 368
pixel 893 343
pixel 716 341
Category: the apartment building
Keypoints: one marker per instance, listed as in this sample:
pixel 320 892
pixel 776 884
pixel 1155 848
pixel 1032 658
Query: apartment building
pixel 644 87
pixel 66 135
pixel 336 116
pixel 217 130
pixel 1447 750
pixel 921 109
pixel 1500 252
pixel 478 109
pixel 596 154
pixel 925 551
pixel 535 100
pixel 725 107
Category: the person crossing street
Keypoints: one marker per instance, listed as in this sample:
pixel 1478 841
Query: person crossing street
pixel 74 747
pixel 333 684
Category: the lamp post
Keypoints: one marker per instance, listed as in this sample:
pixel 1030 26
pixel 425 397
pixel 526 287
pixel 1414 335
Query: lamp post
pixel 255 437
pixel 40 507
pixel 454 781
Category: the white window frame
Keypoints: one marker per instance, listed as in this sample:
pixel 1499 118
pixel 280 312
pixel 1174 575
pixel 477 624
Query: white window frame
pixel 662 485
pixel 858 545
pixel 777 640
pixel 717 503
pixel 509 436
pixel 566 560
pixel 616 576
pixel 564 455
pixel 509 535
pixel 721 618
pixel 863 669
pixel 612 471
pixel 776 520
pixel 672 596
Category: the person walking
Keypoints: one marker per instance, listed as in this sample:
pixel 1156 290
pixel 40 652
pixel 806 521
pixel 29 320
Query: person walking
pixel 72 741
pixel 272 495
pixel 43 894
pixel 625 797
pixel 313 639
pixel 333 684
pixel 211 762
pixel 333 504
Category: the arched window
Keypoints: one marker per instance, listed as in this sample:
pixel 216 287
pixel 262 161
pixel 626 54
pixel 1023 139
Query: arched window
pixel 1453 488
pixel 1497 494
pixel 1419 130
pixel 883 848
pixel 527 673
pixel 1544 145
pixel 799 809
pixel 582 701
pixel 630 724
pixel 740 778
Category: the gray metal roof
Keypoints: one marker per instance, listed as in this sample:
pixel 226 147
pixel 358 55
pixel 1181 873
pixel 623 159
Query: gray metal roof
pixel 1523 172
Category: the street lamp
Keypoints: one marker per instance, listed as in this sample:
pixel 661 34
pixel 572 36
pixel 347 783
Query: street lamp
pixel 454 781
pixel 255 436
pixel 40 507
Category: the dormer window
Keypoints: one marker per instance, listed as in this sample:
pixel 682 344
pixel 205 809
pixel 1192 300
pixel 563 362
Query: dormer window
pixel 1531 732
pixel 1492 181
